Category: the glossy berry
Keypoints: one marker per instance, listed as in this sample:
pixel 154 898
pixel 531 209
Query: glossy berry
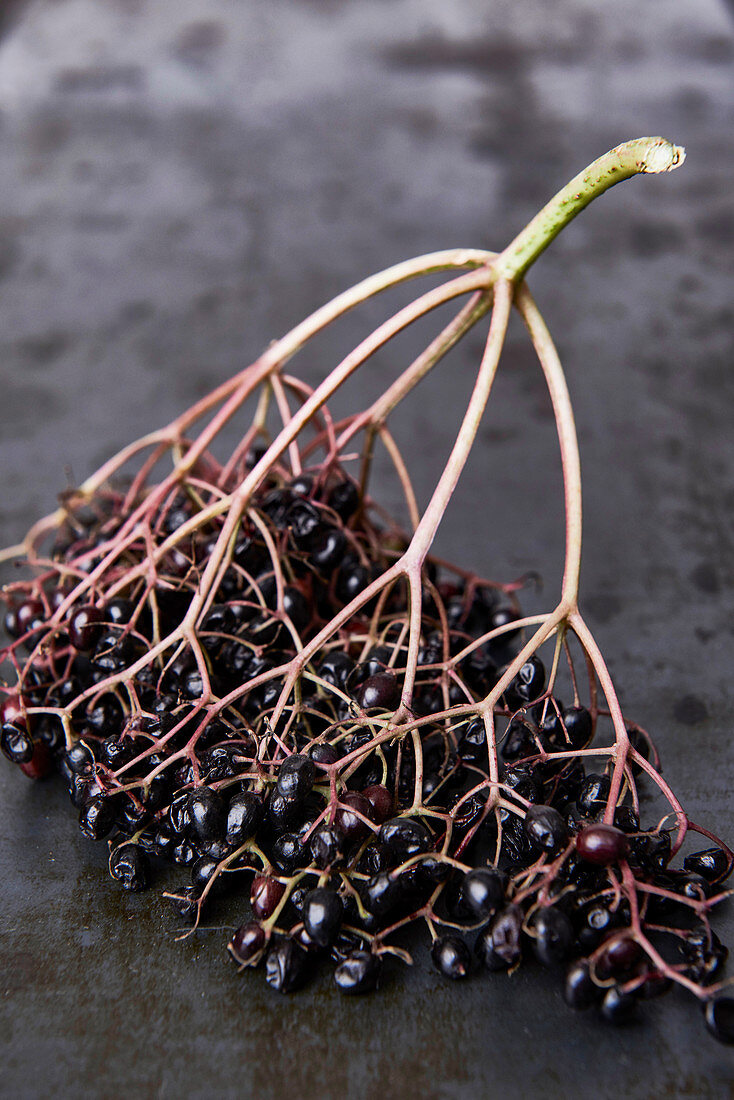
pixel 288 852
pixel 203 871
pixel 353 807
pixel 265 895
pixel 528 684
pixel 472 745
pixel 618 958
pixel 285 966
pixel 206 811
pixel 602 844
pixel 322 914
pixel 296 777
pixel 16 744
pixel 553 936
pixel 186 903
pixel 381 801
pixel 579 990
pixel 130 866
pixel 482 892
pixel 97 817
pixel 382 893
pixel 404 837
pixel 85 628
pixel 451 957
pixel 618 1007
pixel 247 942
pixel 379 692
pixel 244 814
pixel 344 499
pixel 710 863
pixel 592 796
pixel 80 759
pixel 545 829
pixel 358 973
pixel 719 1016
pixel 327 845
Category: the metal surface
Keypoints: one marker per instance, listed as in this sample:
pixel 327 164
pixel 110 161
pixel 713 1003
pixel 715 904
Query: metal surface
pixel 181 183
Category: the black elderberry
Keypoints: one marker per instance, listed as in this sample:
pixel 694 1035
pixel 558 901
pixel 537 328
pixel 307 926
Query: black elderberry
pixel 85 628
pixel 404 837
pixel 16 744
pixel 618 1007
pixel 202 872
pixel 358 972
pixel 520 740
pixel 713 864
pixel 472 746
pixel 185 853
pixel 379 692
pixel 344 499
pixel 304 522
pixel 285 966
pixel 243 817
pixel 553 936
pixel 451 956
pixel 288 852
pixel 351 579
pixel 207 815
pixel 579 990
pixel 327 550
pixel 353 808
pixel 265 895
pixel 282 811
pixel 545 829
pixel 527 685
pixel 178 812
pixel 618 958
pixel 482 892
pixel 382 894
pixel 592 797
pixel 322 914
pixel 381 801
pixel 186 902
pixel 296 777
pixel 130 866
pixel 248 942
pixel 498 946
pixel 323 754
pixel 97 817
pixel 335 668
pixel 719 1017
pixel 327 845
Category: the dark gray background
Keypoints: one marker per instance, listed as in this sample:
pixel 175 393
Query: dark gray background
pixel 182 182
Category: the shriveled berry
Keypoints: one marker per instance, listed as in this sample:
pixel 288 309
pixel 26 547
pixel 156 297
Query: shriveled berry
pixel 289 852
pixel 327 845
pixel 358 972
pixel 80 759
pixel 97 817
pixel 186 902
pixel 322 914
pixel 602 844
pixel 593 794
pixel 545 828
pixel 285 966
pixel 130 866
pixel 16 744
pixel 247 942
pixel 498 946
pixel 451 956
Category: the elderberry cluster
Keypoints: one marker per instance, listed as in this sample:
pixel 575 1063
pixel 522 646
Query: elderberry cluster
pixel 342 804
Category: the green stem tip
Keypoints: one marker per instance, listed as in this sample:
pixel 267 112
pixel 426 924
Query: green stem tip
pixel 646 154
